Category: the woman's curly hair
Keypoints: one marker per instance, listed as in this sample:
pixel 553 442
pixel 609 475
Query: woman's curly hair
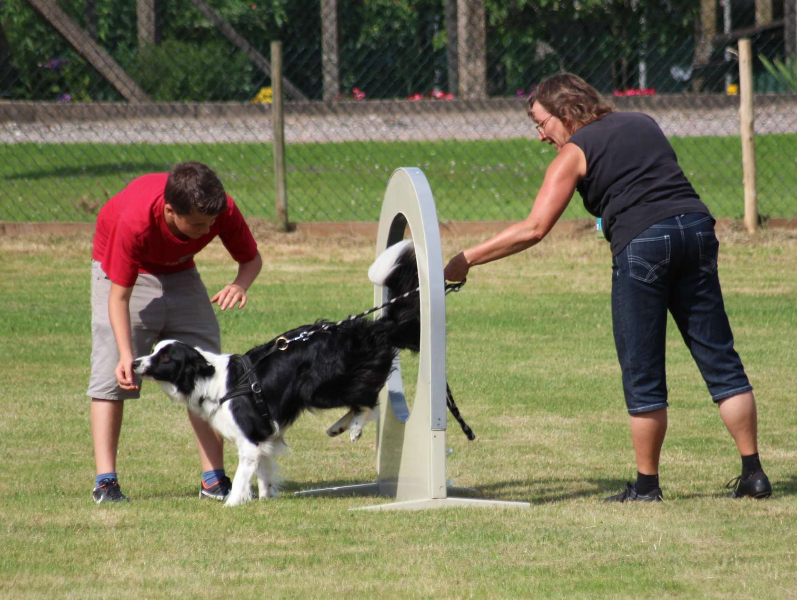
pixel 567 96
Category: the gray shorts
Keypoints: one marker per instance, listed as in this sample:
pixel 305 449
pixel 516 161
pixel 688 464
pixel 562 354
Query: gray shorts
pixel 162 307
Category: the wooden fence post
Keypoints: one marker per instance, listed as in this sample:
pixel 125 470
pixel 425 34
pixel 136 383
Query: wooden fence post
pixel 330 49
pixel 146 23
pixel 472 49
pixel 747 121
pixel 278 121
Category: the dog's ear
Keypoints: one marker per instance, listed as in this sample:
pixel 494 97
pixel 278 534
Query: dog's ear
pixel 197 367
pixel 193 367
pixel 205 370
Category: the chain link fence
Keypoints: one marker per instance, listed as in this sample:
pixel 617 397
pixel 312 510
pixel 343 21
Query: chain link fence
pixel 94 93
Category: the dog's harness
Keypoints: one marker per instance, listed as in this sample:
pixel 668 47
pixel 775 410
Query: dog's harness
pixel 248 383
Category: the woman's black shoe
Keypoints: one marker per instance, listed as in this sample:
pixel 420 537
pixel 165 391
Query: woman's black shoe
pixel 754 486
pixel 629 494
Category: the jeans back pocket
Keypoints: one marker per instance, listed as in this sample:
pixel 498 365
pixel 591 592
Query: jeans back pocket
pixel 649 258
pixel 709 247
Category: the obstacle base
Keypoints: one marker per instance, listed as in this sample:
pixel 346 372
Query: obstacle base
pixel 453 498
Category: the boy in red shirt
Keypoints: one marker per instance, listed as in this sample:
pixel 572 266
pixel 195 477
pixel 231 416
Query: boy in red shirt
pixel 145 287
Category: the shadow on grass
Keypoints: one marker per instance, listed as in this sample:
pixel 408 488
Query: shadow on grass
pixel 290 487
pixel 537 491
pixel 96 170
pixel 287 489
pixel 785 487
pixel 545 491
pixel 712 494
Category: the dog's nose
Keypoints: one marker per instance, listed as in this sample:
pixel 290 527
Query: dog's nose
pixel 136 363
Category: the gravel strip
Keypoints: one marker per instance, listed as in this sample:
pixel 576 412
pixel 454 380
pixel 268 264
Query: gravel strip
pixel 299 129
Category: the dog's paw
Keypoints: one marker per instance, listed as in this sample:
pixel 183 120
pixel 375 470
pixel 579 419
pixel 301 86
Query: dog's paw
pixel 341 424
pixel 359 421
pixel 355 432
pixel 271 491
pixel 233 500
pixel 335 430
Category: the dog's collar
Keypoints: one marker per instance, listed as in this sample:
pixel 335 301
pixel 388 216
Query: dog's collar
pixel 248 385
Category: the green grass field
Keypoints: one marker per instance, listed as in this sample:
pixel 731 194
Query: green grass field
pixel 478 180
pixel 532 364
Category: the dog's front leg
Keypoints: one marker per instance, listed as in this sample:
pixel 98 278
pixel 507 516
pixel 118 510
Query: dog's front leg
pixel 242 483
pixel 266 478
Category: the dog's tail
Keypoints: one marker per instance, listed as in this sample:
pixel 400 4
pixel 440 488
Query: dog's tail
pixel 397 270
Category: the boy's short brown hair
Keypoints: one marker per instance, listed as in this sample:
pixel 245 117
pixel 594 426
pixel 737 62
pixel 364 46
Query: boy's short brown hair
pixel 193 186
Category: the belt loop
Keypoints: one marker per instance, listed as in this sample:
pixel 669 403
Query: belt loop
pixel 681 227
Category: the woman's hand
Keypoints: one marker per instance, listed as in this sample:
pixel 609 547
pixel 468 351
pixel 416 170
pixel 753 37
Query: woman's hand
pixel 457 268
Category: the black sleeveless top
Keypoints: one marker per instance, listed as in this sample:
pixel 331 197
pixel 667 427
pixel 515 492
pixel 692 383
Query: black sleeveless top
pixel 633 179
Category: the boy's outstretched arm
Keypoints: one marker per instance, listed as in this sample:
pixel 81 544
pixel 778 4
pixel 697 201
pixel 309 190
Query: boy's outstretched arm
pixel 119 315
pixel 235 292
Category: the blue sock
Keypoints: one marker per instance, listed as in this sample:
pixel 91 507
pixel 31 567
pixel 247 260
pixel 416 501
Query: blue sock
pixel 211 478
pixel 101 476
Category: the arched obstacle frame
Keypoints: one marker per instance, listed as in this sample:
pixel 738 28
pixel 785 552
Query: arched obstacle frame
pixel 411 447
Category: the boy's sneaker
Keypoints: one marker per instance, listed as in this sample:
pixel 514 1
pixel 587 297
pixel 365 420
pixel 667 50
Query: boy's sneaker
pixel 629 494
pixel 108 491
pixel 755 486
pixel 218 491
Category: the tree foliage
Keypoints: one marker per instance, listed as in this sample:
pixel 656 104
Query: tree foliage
pixel 782 71
pixel 389 48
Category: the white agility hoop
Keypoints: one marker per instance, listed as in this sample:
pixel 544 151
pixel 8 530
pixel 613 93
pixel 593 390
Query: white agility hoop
pixel 411 447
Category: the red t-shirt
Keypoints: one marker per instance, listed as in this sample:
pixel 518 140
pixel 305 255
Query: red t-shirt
pixel 132 237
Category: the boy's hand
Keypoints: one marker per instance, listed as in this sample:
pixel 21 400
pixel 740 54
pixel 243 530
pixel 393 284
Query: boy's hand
pixel 124 374
pixel 230 296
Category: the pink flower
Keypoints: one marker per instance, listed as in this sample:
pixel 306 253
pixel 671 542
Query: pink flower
pixel 55 65
pixel 636 92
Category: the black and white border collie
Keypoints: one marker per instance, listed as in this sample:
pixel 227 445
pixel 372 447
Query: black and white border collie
pixel 344 366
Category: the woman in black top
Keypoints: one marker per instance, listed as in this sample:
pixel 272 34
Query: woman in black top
pixel 664 258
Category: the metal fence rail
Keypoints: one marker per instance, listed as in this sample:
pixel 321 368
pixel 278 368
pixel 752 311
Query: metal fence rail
pixel 96 92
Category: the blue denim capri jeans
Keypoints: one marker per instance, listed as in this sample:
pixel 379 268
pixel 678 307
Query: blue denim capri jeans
pixel 672 266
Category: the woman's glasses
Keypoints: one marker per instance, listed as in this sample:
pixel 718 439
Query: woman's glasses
pixel 541 126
